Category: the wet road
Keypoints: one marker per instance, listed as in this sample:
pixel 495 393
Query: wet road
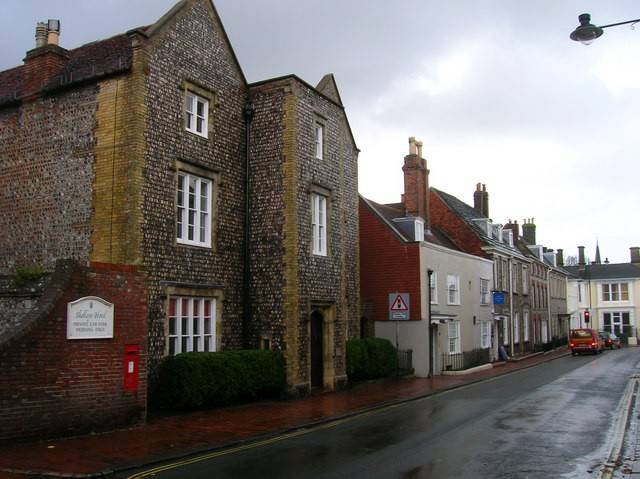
pixel 552 420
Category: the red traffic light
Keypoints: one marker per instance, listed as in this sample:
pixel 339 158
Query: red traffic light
pixel 586 316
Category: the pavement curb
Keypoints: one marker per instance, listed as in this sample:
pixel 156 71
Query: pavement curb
pixel 165 458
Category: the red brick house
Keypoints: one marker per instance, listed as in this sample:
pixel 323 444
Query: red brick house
pixel 403 254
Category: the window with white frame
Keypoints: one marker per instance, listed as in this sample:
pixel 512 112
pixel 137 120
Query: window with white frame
pixel 453 289
pixel 453 328
pixel 192 324
pixel 433 284
pixel 485 334
pixel 615 292
pixel 525 325
pixel 193 210
pixel 319 224
pixel 484 291
pixel 525 280
pixel 196 114
pixel 516 328
pixel 318 137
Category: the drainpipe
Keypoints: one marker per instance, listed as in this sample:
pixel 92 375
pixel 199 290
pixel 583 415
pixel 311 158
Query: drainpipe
pixel 549 322
pixel 248 112
pixel 430 328
pixel 512 339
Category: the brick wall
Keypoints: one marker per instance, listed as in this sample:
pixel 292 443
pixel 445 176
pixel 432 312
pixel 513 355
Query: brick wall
pixel 46 147
pixel 52 386
pixel 387 265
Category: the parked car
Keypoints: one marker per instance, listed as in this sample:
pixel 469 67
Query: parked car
pixel 585 341
pixel 611 341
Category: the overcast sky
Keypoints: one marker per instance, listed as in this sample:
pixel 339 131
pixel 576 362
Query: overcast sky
pixel 494 88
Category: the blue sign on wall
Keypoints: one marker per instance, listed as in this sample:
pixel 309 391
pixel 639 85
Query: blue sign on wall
pixel 498 297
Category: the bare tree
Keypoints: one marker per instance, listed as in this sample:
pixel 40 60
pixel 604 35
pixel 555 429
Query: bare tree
pixel 571 261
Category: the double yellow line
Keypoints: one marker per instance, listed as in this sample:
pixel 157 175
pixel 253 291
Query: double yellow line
pixel 253 445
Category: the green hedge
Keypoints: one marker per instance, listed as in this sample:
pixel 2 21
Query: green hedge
pixel 192 380
pixel 370 358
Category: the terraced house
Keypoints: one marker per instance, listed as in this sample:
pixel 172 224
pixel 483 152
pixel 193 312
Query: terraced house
pixel 150 154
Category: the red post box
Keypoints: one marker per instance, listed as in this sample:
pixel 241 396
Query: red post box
pixel 131 367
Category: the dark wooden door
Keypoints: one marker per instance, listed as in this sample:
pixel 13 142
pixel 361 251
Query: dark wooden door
pixel 317 366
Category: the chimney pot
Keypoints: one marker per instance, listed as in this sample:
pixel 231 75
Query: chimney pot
pixel 41 34
pixel 53 32
pixel 412 145
pixel 419 148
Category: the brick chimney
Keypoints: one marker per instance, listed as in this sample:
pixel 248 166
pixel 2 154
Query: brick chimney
pixel 481 200
pixel 514 227
pixel 635 254
pixel 529 231
pixel 416 182
pixel 581 260
pixel 559 257
pixel 45 61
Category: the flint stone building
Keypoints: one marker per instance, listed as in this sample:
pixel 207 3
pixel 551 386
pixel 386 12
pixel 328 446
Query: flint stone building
pixel 237 201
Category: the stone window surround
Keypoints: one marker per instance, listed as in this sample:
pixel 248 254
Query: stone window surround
pixel 321 122
pixel 214 176
pixel 202 92
pixel 193 291
pixel 317 189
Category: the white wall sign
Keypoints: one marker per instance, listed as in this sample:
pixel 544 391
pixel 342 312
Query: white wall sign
pixel 89 318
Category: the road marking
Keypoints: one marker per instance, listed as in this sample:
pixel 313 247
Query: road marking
pixel 307 430
pixel 253 445
pixel 620 429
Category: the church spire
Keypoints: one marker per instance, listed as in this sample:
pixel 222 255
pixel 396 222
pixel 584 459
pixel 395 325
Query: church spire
pixel 598 260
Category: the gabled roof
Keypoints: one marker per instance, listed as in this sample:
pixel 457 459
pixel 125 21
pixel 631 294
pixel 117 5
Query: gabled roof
pixel 100 58
pixel 470 216
pixel 329 91
pixel 605 271
pixel 329 87
pixel 390 212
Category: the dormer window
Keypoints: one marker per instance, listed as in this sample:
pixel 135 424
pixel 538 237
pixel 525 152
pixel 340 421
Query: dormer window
pixel 508 237
pixel 419 229
pixel 496 232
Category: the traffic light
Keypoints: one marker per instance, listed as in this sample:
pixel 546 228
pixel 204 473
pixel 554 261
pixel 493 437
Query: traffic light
pixel 586 316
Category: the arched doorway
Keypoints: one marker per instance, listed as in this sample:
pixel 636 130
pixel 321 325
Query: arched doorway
pixel 317 347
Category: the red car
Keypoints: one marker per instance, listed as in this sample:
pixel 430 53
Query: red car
pixel 585 341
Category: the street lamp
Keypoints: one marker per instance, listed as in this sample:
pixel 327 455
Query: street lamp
pixel 586 33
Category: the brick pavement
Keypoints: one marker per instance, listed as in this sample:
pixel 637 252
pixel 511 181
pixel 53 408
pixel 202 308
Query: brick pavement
pixel 175 436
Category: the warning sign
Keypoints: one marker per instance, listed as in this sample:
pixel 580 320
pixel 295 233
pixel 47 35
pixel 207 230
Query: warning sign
pixel 398 306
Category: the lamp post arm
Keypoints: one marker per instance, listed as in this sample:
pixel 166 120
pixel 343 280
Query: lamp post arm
pixel 621 23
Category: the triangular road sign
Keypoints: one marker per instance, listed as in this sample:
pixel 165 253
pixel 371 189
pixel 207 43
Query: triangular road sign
pixel 399 304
